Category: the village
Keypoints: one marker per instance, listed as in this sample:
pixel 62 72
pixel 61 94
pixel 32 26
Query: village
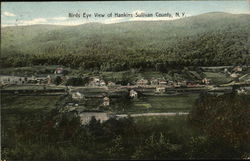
pixel 95 96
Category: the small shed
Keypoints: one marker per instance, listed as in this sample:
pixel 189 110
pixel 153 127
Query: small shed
pixel 58 71
pixel 77 96
pixel 111 83
pixel 142 82
pixel 162 82
pixel 160 89
pixel 106 101
pixel 102 83
pixel 237 69
pixel 234 75
pixel 205 81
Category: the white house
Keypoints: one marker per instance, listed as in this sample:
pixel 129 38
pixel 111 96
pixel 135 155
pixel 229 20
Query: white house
pixel 94 81
pixel 160 89
pixel 234 75
pixel 77 95
pixel 102 83
pixel 133 94
pixel 58 71
pixel 106 101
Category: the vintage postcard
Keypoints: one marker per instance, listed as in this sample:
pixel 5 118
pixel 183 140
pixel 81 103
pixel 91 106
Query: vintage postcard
pixel 127 80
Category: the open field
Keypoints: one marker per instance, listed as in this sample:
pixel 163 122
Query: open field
pixel 14 102
pixel 181 103
pixel 35 70
pixel 151 74
pixel 31 87
pixel 217 77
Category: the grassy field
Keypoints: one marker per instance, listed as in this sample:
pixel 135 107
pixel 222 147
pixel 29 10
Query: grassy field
pixel 217 78
pixel 28 70
pixel 34 70
pixel 181 103
pixel 15 102
pixel 30 87
pixel 151 74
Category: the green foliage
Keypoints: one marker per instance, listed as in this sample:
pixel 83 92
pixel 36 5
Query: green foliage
pixel 57 80
pixel 35 133
pixel 209 39
pixel 78 81
pixel 157 148
pixel 116 149
pixel 225 121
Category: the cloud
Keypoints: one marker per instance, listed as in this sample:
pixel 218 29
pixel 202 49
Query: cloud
pixel 240 12
pixel 53 20
pixel 44 21
pixel 153 18
pixel 9 14
pixel 32 22
pixel 59 18
pixel 6 25
pixel 69 23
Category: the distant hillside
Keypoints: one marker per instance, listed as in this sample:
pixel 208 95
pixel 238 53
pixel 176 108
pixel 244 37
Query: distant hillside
pixel 207 39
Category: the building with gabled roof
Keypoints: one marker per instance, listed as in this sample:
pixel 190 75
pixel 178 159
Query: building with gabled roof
pixel 142 82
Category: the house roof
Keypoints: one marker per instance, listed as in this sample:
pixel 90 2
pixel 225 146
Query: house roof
pixel 105 98
pixel 142 80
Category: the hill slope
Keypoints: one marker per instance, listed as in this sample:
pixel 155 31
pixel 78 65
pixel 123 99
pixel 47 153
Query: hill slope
pixel 208 39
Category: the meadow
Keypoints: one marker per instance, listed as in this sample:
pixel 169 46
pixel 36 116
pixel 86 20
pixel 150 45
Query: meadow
pixel 147 104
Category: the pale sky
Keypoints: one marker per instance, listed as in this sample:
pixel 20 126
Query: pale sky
pixel 57 13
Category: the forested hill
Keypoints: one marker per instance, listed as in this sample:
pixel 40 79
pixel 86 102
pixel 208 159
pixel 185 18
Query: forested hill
pixel 207 39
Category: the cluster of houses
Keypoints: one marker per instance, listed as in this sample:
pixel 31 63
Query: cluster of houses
pixel 79 96
pixel 234 73
pixel 38 79
pixel 161 82
pixel 21 80
pixel 242 91
pixel 96 81
pixel 160 85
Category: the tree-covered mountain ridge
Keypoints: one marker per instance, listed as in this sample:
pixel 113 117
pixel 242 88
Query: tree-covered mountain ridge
pixel 207 39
